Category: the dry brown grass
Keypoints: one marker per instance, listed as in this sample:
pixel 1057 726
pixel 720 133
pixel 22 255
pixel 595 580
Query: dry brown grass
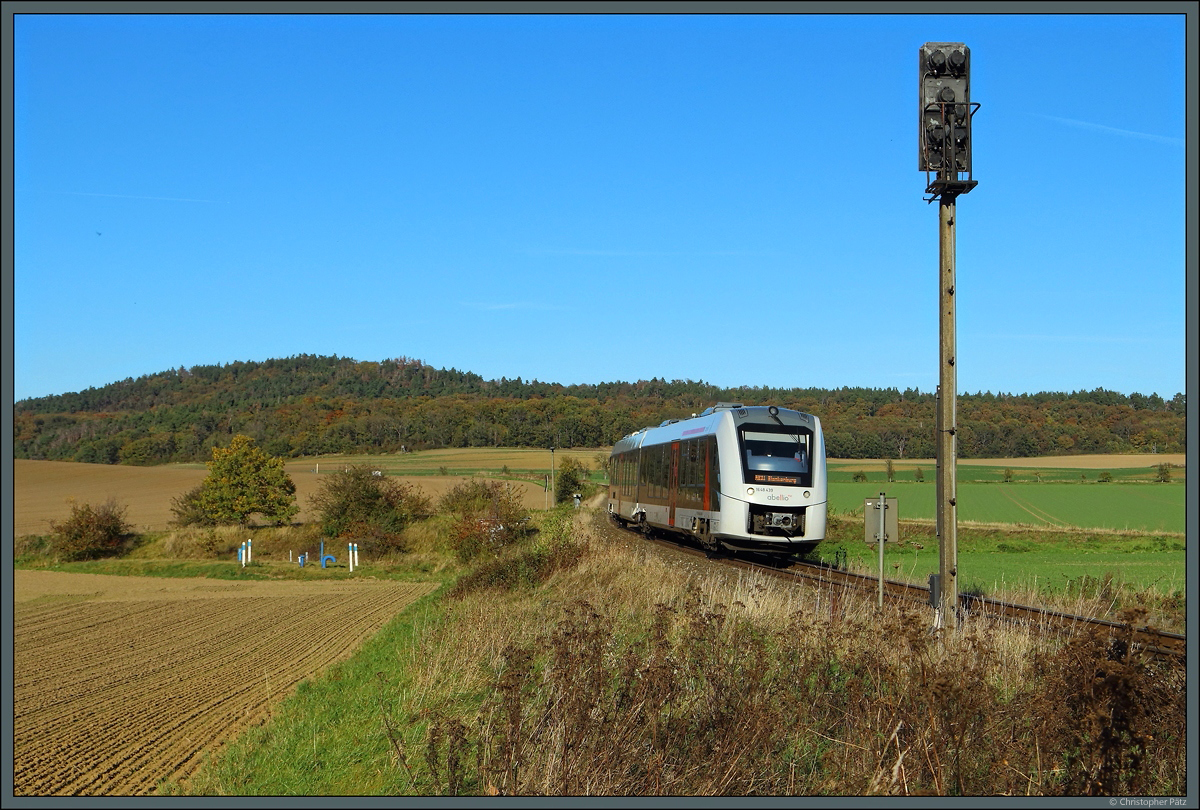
pixel 626 674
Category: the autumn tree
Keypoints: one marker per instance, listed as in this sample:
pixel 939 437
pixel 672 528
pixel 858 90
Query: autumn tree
pixel 242 481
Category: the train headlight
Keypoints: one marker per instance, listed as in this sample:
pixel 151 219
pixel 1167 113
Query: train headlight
pixel 750 491
pixel 806 493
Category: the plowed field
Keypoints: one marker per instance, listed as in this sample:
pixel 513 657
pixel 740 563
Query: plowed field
pixel 121 682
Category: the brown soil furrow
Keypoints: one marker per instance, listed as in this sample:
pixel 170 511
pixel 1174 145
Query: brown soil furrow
pixel 147 685
pixel 98 662
pixel 63 625
pixel 172 711
pixel 96 696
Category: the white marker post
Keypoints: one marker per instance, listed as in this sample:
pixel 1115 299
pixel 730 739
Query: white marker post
pixel 350 555
pixel 249 549
pixel 882 534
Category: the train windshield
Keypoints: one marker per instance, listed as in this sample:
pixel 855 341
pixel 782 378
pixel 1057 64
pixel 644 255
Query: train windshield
pixel 775 454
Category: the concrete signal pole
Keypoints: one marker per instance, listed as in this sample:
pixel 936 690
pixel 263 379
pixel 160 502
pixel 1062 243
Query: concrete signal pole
pixel 944 147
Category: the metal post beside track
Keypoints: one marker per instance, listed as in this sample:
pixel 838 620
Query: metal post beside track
pixel 880 536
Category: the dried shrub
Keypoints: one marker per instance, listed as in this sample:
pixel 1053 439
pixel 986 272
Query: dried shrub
pixel 355 503
pixel 1111 714
pixel 488 517
pixel 701 700
pixel 91 531
pixel 447 750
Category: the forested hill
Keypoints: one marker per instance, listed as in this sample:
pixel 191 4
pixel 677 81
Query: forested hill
pixel 310 405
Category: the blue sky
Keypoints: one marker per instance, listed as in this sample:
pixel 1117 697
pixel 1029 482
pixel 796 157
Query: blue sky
pixel 581 199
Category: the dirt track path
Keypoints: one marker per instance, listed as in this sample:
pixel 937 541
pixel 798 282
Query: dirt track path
pixel 122 682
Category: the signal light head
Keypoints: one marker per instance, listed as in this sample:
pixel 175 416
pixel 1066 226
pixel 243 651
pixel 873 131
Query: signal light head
pixel 944 143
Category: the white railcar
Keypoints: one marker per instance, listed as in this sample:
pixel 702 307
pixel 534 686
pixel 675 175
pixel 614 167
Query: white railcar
pixel 746 478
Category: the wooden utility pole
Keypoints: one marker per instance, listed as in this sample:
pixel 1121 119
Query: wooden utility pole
pixel 947 424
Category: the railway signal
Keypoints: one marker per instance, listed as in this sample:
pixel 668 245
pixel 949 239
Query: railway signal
pixel 944 141
pixel 944 147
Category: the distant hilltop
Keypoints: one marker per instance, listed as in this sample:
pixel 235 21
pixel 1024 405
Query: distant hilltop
pixel 312 405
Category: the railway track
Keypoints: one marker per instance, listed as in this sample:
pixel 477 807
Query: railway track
pixel 1151 640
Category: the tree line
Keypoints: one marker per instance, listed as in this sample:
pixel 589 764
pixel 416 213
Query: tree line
pixel 311 405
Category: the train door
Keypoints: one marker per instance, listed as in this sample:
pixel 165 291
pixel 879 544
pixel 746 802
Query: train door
pixel 708 482
pixel 673 482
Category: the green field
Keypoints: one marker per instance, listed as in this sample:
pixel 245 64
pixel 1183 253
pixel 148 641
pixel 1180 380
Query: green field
pixel 1027 566
pixel 1117 506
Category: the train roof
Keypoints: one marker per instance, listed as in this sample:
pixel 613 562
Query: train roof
pixel 737 407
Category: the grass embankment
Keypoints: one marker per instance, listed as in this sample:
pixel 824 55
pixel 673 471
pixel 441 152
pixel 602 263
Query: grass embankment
pixel 577 664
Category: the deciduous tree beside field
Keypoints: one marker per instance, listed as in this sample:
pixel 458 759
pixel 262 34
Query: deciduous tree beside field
pixel 242 481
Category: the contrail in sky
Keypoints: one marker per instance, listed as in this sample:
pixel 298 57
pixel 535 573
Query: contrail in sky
pixel 642 253
pixel 502 305
pixel 1114 130
pixel 1071 338
pixel 135 197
